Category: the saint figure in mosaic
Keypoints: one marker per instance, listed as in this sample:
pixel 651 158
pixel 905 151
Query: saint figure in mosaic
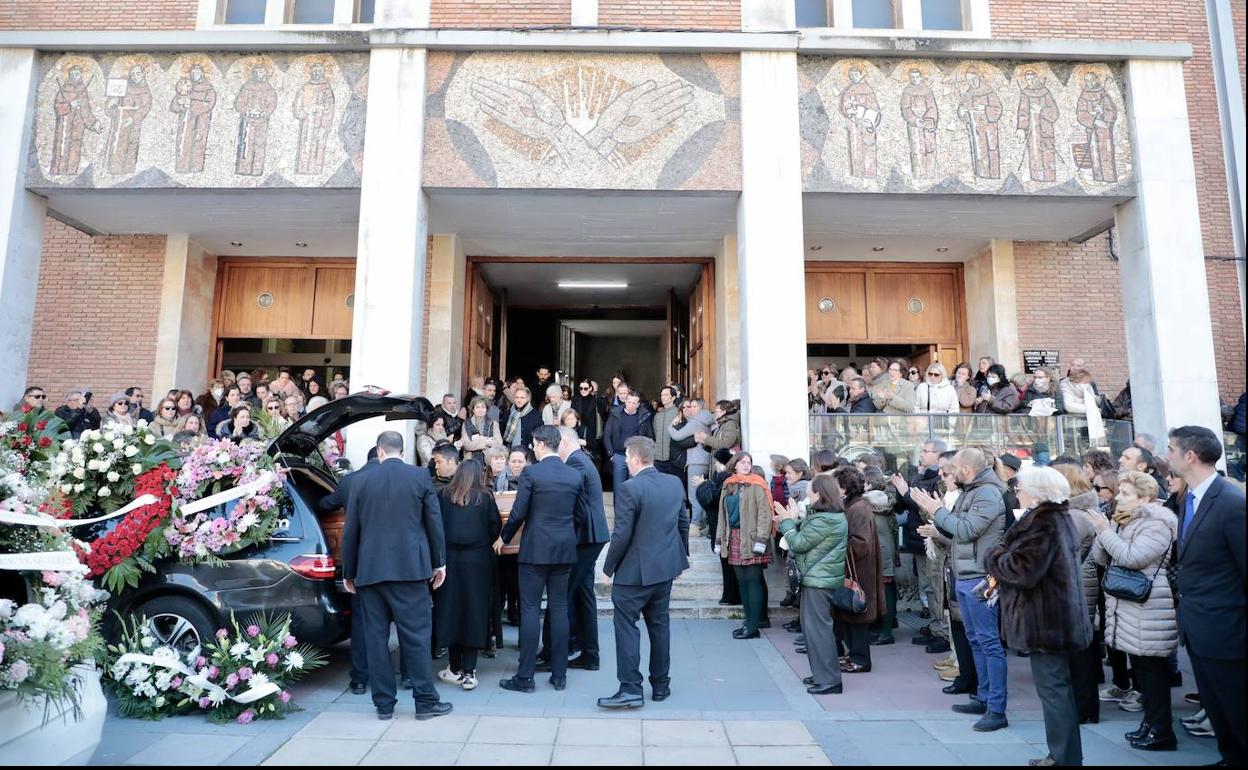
pixel 980 111
pixel 255 103
pixel 193 101
pixel 74 118
pixel 861 110
pixel 126 112
pixel 1037 119
pixel 314 109
pixel 1097 113
pixel 922 116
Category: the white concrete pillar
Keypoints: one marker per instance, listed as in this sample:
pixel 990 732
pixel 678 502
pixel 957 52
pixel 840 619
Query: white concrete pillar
pixel 275 12
pixel 21 223
pixel 1165 293
pixel 992 306
pixel 909 15
pixel 584 13
pixel 444 370
pixel 387 334
pixel 404 14
pixel 184 326
pixel 727 323
pixel 842 14
pixel 770 258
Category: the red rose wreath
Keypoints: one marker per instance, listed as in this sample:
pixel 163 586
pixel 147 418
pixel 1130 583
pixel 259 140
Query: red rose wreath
pixel 119 548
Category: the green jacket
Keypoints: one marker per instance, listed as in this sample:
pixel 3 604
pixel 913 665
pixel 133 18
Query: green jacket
pixel 822 534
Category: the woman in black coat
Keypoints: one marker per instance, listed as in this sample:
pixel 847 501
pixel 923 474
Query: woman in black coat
pixel 462 606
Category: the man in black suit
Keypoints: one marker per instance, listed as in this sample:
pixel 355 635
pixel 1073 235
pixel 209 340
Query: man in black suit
pixel 546 502
pixel 591 535
pixel 1211 574
pixel 647 553
pixel 393 552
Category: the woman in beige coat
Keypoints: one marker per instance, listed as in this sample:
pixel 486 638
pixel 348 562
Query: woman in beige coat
pixel 1141 537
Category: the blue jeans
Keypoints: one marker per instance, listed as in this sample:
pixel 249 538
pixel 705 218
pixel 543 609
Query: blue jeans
pixel 619 470
pixel 985 638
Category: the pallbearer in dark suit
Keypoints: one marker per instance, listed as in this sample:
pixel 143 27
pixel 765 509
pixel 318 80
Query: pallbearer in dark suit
pixel 393 552
pixel 1211 574
pixel 646 554
pixel 546 504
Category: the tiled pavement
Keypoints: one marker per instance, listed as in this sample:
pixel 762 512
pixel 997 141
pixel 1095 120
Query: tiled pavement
pixel 733 702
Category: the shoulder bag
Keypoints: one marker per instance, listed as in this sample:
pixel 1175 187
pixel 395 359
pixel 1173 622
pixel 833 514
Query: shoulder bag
pixel 850 597
pixel 1131 585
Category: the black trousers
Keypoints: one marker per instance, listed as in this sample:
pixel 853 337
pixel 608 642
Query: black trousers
pixel 650 602
pixel 1221 685
pixel 463 658
pixel 1051 673
pixel 968 675
pixel 582 605
pixel 732 591
pixel 856 639
pixel 1121 669
pixel 1152 679
pixel 359 645
pixel 1085 666
pixel 553 580
pixel 408 605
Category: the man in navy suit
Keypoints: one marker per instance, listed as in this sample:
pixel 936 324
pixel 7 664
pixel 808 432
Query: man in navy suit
pixel 1211 575
pixel 546 503
pixel 393 552
pixel 647 553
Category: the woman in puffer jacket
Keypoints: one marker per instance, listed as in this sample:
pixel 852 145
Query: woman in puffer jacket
pixel 936 395
pixel 999 395
pixel 1140 537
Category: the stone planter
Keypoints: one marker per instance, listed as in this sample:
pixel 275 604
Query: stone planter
pixel 28 736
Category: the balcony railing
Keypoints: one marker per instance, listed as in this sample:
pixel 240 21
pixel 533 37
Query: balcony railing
pixel 899 436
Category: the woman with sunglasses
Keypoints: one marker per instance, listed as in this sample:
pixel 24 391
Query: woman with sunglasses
pixel 937 395
pixel 588 405
pixel 914 375
pixel 166 422
pixel 118 410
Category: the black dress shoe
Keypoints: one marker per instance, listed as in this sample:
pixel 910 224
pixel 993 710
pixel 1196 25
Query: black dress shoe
pixel 518 684
pixel 622 700
pixel 585 662
pixel 406 683
pixel 1139 732
pixel 789 600
pixel 1155 742
pixel 766 623
pixel 439 653
pixel 808 680
pixel 925 636
pixel 800 650
pixel 729 603
pixel 826 689
pixel 955 689
pixel 799 640
pixel 793 626
pixel 744 635
pixel 385 715
pixel 559 684
pixel 358 688
pixel 439 709
pixel 880 641
pixel 660 693
pixel 937 646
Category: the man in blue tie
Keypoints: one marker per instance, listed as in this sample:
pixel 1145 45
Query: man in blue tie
pixel 1211 575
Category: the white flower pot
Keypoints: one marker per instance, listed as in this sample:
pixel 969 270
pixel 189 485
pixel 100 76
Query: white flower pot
pixel 27 738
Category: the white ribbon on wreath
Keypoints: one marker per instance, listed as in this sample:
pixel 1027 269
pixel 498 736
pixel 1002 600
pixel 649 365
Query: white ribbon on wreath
pixel 252 694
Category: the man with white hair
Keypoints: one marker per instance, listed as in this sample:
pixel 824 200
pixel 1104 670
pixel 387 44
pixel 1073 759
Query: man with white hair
pixel 555 405
pixel 1146 441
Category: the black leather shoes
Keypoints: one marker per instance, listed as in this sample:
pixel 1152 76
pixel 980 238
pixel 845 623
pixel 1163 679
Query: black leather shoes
pixel 518 684
pixel 406 683
pixel 358 688
pixel 827 689
pixel 660 693
pixel 741 634
pixel 971 707
pixel 385 715
pixel 955 689
pixel 765 624
pixel 936 646
pixel 559 684
pixel 585 662
pixel 1155 742
pixel 439 709
pixel 808 680
pixel 622 700
pixel 1139 732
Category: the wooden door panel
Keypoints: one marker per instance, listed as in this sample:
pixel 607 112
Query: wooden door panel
pixel 950 356
pixel 331 316
pixel 847 321
pixel 911 306
pixel 288 314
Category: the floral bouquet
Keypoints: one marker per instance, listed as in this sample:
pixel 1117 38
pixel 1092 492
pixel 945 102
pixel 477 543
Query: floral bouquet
pixel 97 471
pixel 216 469
pixel 32 432
pixel 240 676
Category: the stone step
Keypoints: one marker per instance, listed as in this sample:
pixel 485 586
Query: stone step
pixel 708 610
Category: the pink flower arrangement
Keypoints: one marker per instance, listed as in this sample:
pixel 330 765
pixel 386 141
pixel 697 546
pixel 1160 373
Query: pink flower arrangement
pixel 253 631
pixel 271 660
pixel 247 717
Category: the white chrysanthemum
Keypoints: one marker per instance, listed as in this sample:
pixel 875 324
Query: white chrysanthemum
pixel 98 448
pixel 216 697
pixel 104 492
pixel 238 649
pixel 247 521
pixel 132 450
pixel 258 680
pixel 148 642
pixel 78 488
pixel 294 661
pixel 113 477
pixel 165 654
pixel 118 443
pixel 6 608
pixel 136 469
pixel 67 488
pixel 149 439
pixel 163 679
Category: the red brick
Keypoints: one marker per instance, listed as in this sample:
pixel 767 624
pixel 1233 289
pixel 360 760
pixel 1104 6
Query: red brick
pixel 467 14
pixel 97 14
pixel 670 14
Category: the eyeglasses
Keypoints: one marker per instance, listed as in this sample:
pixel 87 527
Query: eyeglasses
pixel 584 387
pixel 38 396
pixel 168 408
pixel 914 371
pixel 273 408
pixel 1100 488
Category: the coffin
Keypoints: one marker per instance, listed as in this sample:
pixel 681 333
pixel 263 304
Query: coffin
pixel 505 500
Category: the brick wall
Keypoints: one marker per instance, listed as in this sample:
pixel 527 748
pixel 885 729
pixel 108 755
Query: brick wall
pixel 670 14
pixel 1164 21
pixel 97 14
pixel 500 13
pixel 96 312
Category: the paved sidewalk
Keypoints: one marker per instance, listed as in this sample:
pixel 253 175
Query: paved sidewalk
pixel 734 703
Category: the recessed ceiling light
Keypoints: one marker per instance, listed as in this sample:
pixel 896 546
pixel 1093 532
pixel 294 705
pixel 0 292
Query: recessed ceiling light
pixel 816 248
pixel 236 243
pixel 593 284
pixel 877 248
pixel 301 244
pixel 942 249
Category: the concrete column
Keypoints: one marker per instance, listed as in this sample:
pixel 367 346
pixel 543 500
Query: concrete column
pixel 21 223
pixel 1165 293
pixel 184 328
pixel 770 258
pixel 842 14
pixel 444 372
pixel 992 306
pixel 391 252
pixel 727 323
pixel 584 13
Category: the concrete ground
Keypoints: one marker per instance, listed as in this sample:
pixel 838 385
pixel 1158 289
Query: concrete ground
pixel 733 703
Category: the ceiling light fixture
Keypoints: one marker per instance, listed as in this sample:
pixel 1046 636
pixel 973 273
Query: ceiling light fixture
pixel 816 248
pixel 942 249
pixel 877 248
pixel 301 244
pixel 593 284
pixel 236 243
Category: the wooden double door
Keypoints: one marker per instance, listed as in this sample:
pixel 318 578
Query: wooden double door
pixel 691 336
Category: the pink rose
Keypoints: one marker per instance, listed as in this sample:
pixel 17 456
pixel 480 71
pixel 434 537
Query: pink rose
pixel 213 671
pixel 231 681
pixel 200 662
pixel 246 717
pixel 284 696
pixel 253 630
pixel 53 579
pixel 289 642
pixel 222 633
pixel 271 659
pixel 245 673
pixel 203 703
pixel 176 681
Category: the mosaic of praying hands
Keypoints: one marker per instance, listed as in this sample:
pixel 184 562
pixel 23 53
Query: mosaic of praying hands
pixel 635 115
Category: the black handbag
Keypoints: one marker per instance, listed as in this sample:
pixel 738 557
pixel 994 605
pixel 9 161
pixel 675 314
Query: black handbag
pixel 850 597
pixel 1131 585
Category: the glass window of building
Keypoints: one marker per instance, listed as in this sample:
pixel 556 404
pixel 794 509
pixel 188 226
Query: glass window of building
pixel 313 12
pixel 874 14
pixel 365 15
pixel 942 14
pixel 244 11
pixel 812 13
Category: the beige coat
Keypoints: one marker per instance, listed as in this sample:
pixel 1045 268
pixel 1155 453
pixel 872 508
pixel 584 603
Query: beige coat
pixel 1144 542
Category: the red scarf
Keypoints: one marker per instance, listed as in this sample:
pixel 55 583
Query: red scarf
pixel 750 478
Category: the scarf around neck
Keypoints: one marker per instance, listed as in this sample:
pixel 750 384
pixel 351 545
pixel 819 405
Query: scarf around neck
pixel 513 422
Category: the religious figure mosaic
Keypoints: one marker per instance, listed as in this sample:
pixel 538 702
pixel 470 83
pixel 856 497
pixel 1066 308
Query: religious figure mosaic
pixel 890 125
pixel 199 120
pixel 618 121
